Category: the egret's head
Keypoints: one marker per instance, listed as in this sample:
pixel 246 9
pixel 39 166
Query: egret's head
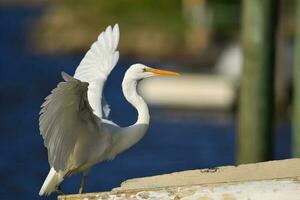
pixel 140 71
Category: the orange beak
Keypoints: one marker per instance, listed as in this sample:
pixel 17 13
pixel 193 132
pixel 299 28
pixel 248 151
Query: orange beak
pixel 162 72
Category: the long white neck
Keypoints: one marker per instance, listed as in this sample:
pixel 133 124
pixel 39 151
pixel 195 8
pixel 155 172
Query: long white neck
pixel 130 135
pixel 129 87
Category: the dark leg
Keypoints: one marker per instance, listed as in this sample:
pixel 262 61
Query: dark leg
pixel 83 180
pixel 59 190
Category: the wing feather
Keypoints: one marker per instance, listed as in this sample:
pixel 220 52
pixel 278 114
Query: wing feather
pixel 97 65
pixel 65 117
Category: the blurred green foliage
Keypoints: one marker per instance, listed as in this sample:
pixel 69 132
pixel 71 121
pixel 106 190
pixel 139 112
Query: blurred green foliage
pixel 148 26
pixel 129 13
pixel 78 23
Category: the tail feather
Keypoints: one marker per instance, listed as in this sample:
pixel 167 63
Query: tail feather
pixel 52 182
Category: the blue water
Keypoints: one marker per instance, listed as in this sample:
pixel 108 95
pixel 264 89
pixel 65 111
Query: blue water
pixel 176 140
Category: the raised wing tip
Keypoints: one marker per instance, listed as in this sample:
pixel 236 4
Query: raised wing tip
pixel 116 26
pixel 116 33
pixel 116 29
pixel 108 29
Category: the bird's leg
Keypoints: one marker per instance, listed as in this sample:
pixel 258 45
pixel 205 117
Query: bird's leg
pixel 83 180
pixel 59 190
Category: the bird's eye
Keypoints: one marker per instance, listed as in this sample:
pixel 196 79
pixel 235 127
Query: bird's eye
pixel 144 69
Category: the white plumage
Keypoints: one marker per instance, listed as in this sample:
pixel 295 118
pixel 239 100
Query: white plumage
pixel 51 182
pixel 72 124
pixel 97 65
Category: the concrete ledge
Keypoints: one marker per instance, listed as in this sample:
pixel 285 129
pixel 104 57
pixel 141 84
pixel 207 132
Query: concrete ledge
pixel 266 180
pixel 248 172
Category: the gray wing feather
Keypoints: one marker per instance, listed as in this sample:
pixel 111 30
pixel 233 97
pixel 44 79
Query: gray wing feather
pixel 65 116
pixel 66 76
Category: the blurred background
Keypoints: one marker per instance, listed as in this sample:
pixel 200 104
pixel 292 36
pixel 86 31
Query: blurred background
pixel 194 118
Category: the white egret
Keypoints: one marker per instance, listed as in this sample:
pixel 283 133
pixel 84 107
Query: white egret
pixel 73 122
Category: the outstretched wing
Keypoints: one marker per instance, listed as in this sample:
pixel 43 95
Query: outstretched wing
pixel 65 118
pixel 97 65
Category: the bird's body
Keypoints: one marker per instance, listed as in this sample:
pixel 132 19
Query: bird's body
pixel 73 118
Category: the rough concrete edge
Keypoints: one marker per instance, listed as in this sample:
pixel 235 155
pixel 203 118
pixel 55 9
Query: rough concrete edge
pixel 247 172
pixel 138 184
pixel 129 192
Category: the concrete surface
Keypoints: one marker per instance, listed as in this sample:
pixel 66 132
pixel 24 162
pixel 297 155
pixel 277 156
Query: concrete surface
pixel 267 180
pixel 248 172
